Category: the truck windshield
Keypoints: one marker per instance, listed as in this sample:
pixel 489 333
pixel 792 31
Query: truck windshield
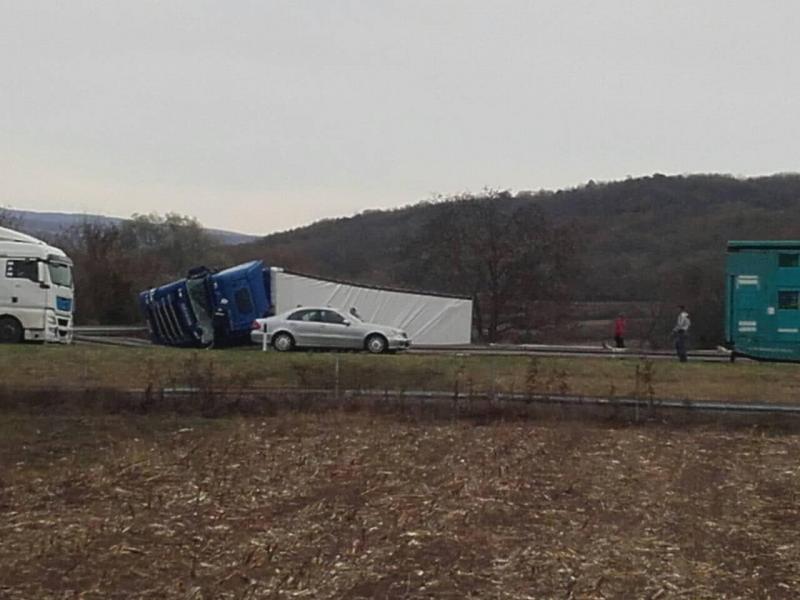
pixel 199 302
pixel 60 274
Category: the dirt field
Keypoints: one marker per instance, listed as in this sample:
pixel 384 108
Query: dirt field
pixel 355 505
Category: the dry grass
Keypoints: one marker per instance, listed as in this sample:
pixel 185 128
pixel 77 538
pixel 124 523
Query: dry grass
pixel 113 367
pixel 356 505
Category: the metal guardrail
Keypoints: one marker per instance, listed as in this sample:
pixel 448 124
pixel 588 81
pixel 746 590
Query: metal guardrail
pixel 132 335
pixel 567 352
pixel 110 330
pixel 538 398
pixel 113 341
pixel 127 335
pixel 641 406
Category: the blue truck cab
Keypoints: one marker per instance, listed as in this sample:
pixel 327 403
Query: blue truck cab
pixel 208 308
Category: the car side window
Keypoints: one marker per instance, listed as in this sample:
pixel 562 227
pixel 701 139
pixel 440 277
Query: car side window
pixel 331 316
pixel 309 316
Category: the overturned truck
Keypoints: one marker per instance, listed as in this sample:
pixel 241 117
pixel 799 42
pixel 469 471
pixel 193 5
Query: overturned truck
pixel 217 308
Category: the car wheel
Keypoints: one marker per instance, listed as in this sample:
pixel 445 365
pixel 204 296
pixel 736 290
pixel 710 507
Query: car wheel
pixel 376 344
pixel 283 342
pixel 10 331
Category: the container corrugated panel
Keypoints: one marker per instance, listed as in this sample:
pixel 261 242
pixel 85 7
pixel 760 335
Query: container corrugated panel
pixel 763 299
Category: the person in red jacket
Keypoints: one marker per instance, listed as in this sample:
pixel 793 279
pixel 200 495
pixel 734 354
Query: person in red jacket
pixel 619 330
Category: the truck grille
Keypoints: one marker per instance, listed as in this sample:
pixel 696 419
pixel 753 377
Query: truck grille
pixel 165 321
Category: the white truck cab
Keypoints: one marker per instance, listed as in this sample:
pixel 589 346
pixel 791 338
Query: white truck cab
pixel 36 293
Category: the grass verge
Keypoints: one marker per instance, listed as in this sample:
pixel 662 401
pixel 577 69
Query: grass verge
pixel 120 368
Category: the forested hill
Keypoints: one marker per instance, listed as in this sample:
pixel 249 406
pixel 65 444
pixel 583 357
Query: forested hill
pixel 638 237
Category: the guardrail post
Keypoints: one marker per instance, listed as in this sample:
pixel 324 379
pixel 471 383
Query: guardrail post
pixel 336 378
pixel 263 337
pixel 493 374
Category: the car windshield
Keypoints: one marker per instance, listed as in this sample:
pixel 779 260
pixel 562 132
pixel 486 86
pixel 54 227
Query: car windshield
pixel 60 274
pixel 197 298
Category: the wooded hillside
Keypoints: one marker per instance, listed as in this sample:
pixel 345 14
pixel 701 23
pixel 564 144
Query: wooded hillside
pixel 654 241
pixel 659 238
pixel 636 234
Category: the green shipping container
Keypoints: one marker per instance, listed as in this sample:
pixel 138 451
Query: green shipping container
pixel 762 317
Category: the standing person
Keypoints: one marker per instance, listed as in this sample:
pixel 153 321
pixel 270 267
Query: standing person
pixel 619 330
pixel 681 332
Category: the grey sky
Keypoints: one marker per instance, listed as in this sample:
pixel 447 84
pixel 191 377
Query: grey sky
pixel 260 116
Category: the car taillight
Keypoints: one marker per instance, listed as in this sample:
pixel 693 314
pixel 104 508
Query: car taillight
pixel 256 326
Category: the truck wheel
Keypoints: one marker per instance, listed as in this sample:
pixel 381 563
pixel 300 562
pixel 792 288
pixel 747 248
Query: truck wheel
pixel 283 342
pixel 376 344
pixel 10 331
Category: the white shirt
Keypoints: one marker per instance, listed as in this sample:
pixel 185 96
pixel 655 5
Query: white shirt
pixel 683 323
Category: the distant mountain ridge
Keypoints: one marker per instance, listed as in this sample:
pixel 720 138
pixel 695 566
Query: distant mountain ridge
pixel 49 224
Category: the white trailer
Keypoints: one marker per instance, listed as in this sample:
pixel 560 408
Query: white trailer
pixel 428 319
pixel 36 293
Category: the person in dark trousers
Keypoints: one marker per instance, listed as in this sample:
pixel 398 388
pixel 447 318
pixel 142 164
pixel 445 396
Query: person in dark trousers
pixel 681 333
pixel 619 330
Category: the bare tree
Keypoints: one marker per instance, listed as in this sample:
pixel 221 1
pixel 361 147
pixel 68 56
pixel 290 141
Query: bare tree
pixel 504 256
pixel 168 244
pixel 115 262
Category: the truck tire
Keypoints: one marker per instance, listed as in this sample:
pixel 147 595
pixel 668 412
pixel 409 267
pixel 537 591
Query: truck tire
pixel 283 342
pixel 10 330
pixel 376 344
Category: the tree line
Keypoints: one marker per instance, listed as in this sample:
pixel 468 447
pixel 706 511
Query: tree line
pixel 114 262
pixel 505 258
pixel 657 241
pixel 511 260
pixel 522 256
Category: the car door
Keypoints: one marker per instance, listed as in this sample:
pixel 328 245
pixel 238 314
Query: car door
pixel 306 327
pixel 340 331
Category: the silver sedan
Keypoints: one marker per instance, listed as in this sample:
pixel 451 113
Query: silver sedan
pixel 310 327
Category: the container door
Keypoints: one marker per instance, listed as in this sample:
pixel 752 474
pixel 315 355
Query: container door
pixel 745 309
pixel 785 298
pixel 788 322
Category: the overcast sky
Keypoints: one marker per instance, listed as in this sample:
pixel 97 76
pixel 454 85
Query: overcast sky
pixel 264 115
